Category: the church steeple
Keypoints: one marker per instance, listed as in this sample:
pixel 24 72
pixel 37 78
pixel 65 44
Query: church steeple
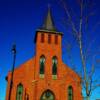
pixel 49 23
pixel 48 26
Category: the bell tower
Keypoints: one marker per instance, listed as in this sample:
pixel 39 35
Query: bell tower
pixel 48 45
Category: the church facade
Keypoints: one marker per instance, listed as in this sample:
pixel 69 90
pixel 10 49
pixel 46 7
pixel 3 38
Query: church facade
pixel 45 76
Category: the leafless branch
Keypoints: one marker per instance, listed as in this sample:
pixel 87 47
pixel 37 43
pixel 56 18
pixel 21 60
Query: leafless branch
pixel 87 78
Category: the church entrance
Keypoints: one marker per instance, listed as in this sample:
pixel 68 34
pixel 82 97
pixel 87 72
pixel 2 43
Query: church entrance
pixel 47 95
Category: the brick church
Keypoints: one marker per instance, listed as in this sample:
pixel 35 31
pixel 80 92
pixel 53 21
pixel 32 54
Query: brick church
pixel 45 76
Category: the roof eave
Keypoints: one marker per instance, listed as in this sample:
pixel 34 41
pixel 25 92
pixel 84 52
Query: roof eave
pixel 49 31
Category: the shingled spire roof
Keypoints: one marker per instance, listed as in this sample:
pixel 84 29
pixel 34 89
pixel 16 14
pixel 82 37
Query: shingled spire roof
pixel 49 23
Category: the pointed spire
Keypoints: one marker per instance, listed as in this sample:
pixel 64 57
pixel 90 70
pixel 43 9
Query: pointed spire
pixel 49 24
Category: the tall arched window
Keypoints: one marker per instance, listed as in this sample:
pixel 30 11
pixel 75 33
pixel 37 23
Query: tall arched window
pixel 70 93
pixel 19 94
pixel 42 64
pixel 54 65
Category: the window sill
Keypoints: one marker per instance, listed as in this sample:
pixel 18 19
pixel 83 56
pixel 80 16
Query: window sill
pixel 54 77
pixel 41 76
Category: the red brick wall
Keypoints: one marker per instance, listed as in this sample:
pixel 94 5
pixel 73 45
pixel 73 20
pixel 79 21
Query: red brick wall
pixel 28 74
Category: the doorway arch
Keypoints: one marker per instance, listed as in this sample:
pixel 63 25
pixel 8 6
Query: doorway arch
pixel 47 95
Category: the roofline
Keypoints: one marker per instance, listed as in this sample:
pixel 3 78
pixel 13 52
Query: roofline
pixel 49 31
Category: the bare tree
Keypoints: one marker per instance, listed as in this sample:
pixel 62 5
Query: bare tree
pixel 88 83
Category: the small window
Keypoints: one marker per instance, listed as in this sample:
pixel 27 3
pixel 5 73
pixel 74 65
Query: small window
pixel 56 39
pixel 19 92
pixel 70 93
pixel 49 38
pixel 42 37
pixel 42 64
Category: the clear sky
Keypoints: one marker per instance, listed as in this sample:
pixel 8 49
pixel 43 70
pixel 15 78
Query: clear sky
pixel 19 20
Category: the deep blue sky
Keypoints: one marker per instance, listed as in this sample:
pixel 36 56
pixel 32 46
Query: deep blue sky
pixel 19 20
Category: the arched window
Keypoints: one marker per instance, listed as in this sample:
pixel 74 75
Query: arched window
pixel 54 65
pixel 70 93
pixel 19 94
pixel 47 95
pixel 42 64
